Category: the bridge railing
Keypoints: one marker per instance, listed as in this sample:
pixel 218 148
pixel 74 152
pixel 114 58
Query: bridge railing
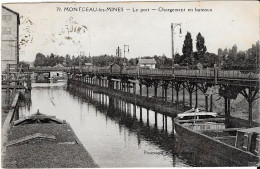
pixel 204 73
pixel 50 68
pixel 233 74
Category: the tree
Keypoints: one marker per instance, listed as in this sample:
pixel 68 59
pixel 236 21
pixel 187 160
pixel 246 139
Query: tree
pixel 220 57
pixel 68 60
pixel 210 59
pixel 187 47
pixel 23 64
pixel 201 48
pixel 133 61
pixel 252 61
pixel 61 59
pixel 177 58
pixel 52 61
pixel 241 60
pixel 233 51
pixel 230 61
pixel 73 61
pixel 39 60
pixel 220 52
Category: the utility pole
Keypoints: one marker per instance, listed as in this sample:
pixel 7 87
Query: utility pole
pixel 173 26
pixel 118 52
pixel 125 46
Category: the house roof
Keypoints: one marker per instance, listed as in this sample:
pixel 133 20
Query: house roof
pixel 147 61
pixel 115 63
pixel 17 14
pixel 59 65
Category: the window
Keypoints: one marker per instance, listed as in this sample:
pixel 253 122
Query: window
pixel 6 30
pixel 6 17
pixel 245 143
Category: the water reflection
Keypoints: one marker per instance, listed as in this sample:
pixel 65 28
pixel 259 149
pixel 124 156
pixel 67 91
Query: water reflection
pixel 148 125
pixel 121 108
pixel 116 133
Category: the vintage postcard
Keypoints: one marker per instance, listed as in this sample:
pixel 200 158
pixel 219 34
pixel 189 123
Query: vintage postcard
pixel 130 84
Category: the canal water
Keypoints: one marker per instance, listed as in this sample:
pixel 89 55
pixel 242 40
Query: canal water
pixel 115 133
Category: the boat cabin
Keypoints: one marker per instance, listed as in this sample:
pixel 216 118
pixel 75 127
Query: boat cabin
pixel 248 140
pixel 196 114
pixel 200 120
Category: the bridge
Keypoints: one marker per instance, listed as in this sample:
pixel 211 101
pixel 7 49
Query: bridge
pixel 229 83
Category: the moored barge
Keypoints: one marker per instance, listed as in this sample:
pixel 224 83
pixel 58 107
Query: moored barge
pixel 207 133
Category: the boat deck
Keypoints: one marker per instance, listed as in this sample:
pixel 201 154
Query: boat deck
pixel 47 145
pixel 227 136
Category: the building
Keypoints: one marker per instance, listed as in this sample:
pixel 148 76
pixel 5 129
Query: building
pixel 115 68
pixel 149 63
pixel 10 38
pixel 88 65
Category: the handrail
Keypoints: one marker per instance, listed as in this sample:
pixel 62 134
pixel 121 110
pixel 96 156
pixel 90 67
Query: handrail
pixel 204 73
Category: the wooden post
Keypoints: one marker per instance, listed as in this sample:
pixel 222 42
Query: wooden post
pixel 155 119
pixel 155 90
pixel 141 114
pixel 226 104
pixel 134 110
pixel 140 89
pixel 128 86
pixel 183 95
pixel 8 92
pixel 177 97
pixel 134 88
pixel 250 107
pixel 211 102
pixel 190 99
pixel 228 107
pixel 250 116
pixel 172 125
pixel 147 91
pixel 206 102
pixel 162 93
pixel 172 93
pixel 196 93
pixel 165 93
pixel 165 123
pixel 147 117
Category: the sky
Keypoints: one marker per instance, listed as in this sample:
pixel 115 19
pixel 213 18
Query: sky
pixel 147 33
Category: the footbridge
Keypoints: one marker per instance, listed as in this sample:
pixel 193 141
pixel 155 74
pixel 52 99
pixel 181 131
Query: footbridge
pixel 227 83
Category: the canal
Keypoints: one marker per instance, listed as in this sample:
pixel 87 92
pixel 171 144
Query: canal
pixel 115 133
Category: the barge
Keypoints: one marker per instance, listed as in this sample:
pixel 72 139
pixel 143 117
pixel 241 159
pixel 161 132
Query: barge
pixel 42 141
pixel 207 133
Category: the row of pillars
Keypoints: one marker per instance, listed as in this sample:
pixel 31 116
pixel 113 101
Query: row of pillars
pixel 130 87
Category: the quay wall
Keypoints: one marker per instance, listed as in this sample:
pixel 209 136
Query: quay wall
pixel 8 120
